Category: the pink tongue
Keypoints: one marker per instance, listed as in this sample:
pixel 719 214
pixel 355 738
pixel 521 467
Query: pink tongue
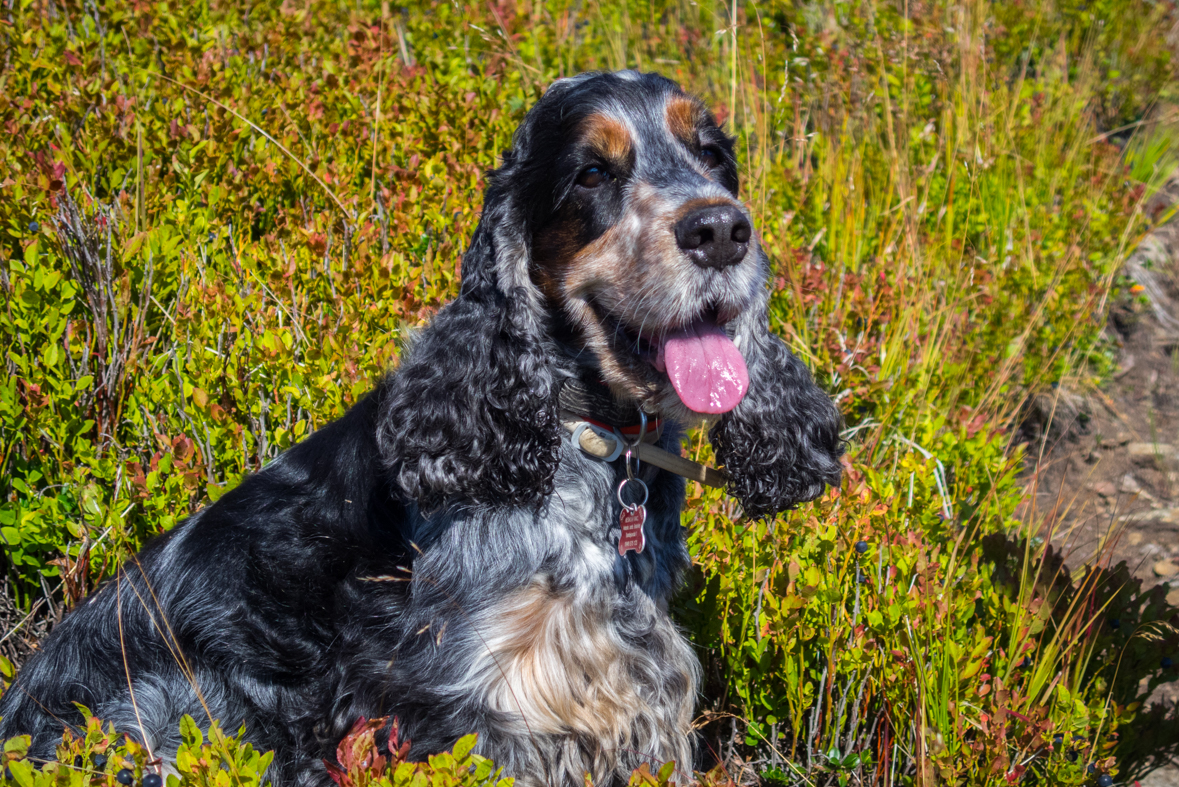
pixel 705 367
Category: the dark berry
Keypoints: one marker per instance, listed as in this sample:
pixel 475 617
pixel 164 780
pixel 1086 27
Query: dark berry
pixel 78 761
pixel 1105 780
pixel 1057 739
pixel 1166 663
pixel 100 761
pixel 34 226
pixel 1092 768
pixel 125 777
pixel 153 780
pixel 1072 755
pixel 1115 623
pixel 7 774
pixel 861 547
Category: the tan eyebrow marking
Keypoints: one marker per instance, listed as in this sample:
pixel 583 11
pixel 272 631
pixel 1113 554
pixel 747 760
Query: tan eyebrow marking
pixel 682 116
pixel 608 136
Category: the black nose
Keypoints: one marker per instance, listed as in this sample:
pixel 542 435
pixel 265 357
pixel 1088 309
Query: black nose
pixel 715 236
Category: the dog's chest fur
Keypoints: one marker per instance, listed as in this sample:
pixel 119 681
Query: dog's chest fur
pixel 573 654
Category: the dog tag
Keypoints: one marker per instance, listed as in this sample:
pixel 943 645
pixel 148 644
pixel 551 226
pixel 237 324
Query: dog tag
pixel 633 515
pixel 632 538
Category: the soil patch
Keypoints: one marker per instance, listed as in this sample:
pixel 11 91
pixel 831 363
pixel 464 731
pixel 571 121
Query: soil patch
pixel 1104 466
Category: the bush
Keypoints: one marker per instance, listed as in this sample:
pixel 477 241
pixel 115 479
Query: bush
pixel 220 220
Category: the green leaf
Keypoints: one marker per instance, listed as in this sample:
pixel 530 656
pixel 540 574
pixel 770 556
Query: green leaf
pixel 190 732
pixel 18 745
pixel 22 772
pixel 464 745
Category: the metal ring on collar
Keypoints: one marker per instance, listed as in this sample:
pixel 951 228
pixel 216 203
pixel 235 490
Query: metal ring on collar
pixel 622 485
pixel 630 448
pixel 642 431
pixel 575 438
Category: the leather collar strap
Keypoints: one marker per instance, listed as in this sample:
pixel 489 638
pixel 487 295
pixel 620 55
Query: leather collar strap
pixel 596 423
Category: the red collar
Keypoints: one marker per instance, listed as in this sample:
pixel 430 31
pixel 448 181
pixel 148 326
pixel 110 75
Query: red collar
pixel 590 399
pixel 653 425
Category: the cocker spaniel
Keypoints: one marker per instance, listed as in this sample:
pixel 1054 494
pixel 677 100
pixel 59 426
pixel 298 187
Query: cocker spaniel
pixel 613 293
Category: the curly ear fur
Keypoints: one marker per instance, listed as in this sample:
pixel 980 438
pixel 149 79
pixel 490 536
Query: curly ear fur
pixel 471 414
pixel 780 446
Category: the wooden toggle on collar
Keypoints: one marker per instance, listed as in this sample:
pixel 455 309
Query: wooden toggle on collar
pixel 602 442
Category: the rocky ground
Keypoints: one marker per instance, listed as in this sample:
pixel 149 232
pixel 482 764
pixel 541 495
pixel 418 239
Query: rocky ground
pixel 1107 480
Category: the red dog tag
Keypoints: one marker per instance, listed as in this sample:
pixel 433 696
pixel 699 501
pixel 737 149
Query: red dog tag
pixel 631 520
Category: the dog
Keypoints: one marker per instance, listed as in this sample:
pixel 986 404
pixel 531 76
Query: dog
pixel 446 553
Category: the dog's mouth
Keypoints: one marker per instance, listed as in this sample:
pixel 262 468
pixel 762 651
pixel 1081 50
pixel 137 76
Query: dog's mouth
pixel 699 359
pixel 706 369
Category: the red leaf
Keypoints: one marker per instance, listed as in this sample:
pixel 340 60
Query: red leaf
pixel 338 776
pixel 397 752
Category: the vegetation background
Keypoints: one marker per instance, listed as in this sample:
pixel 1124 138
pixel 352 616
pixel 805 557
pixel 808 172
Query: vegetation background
pixel 217 218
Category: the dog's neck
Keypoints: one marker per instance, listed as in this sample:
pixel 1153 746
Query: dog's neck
pixel 584 393
pixel 588 396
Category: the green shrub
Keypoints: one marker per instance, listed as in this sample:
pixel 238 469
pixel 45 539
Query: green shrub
pixel 219 220
pixel 97 756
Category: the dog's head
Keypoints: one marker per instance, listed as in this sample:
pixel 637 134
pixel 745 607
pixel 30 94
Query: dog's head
pixel 612 239
pixel 639 243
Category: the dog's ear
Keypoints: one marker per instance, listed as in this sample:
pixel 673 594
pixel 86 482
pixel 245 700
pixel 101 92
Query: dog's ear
pixel 779 446
pixel 471 414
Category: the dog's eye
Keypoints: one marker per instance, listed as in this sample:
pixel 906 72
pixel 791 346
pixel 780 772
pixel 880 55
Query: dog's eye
pixel 592 177
pixel 710 157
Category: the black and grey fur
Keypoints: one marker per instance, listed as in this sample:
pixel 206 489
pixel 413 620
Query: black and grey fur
pixel 515 618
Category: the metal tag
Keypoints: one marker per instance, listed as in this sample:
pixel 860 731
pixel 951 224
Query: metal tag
pixel 632 539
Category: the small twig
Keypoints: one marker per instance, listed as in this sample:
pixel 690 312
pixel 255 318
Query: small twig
pixel 32 612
